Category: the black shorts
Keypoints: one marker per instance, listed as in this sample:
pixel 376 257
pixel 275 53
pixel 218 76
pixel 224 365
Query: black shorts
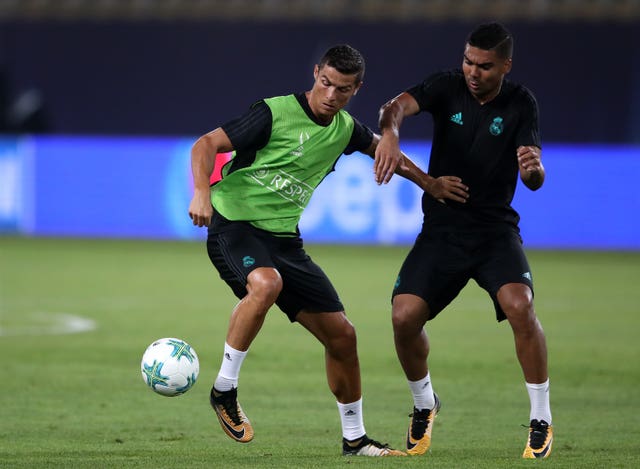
pixel 237 248
pixel 440 264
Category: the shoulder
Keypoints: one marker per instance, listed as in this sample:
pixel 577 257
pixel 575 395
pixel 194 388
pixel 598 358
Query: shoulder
pixel 451 77
pixel 259 106
pixel 279 100
pixel 440 82
pixel 257 112
pixel 344 116
pixel 520 94
pixel 359 127
pixel 437 89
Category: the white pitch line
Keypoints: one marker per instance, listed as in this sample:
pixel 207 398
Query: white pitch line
pixel 51 324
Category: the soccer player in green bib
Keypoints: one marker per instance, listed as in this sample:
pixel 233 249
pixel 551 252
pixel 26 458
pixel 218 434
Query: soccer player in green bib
pixel 283 147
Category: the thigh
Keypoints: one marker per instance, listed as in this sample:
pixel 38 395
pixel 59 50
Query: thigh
pixel 503 261
pixel 305 284
pixel 436 269
pixel 235 253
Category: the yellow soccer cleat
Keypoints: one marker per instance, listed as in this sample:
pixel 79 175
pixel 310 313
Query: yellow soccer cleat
pixel 230 414
pixel 540 440
pixel 419 433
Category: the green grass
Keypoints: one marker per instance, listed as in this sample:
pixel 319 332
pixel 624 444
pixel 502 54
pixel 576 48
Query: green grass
pixel 78 400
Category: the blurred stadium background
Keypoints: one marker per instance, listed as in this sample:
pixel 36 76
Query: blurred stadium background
pixel 104 98
pixel 100 102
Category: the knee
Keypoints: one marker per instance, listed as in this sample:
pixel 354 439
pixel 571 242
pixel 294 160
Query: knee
pixel 344 342
pixel 400 320
pixel 519 306
pixel 347 336
pixel 264 285
pixel 408 316
pixel 516 299
pixel 520 312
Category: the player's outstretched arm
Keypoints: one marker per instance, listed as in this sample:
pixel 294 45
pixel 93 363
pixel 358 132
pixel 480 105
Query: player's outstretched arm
pixel 203 157
pixel 441 188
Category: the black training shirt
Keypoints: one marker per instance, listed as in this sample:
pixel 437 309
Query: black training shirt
pixel 477 143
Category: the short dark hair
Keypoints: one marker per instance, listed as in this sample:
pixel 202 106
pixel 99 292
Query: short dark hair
pixel 492 36
pixel 345 59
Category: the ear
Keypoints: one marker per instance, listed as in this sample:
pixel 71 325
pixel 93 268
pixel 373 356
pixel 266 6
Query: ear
pixel 357 88
pixel 507 65
pixel 316 72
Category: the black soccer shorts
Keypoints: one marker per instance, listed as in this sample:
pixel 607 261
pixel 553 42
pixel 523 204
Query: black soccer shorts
pixel 440 264
pixel 238 248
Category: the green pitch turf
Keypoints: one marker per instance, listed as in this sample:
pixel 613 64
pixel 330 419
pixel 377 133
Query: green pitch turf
pixel 76 316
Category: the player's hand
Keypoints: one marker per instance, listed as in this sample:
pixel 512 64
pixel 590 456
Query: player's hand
pixel 448 187
pixel 200 209
pixel 387 158
pixel 530 165
pixel 529 159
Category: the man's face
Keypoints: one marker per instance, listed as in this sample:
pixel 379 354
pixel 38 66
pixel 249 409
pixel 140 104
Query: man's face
pixel 483 71
pixel 331 91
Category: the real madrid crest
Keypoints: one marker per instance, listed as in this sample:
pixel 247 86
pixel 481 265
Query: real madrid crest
pixel 496 126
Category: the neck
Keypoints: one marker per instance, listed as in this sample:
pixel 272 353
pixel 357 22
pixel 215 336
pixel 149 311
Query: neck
pixel 322 119
pixel 489 97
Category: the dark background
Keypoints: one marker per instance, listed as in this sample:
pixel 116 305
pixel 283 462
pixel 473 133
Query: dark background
pixel 185 77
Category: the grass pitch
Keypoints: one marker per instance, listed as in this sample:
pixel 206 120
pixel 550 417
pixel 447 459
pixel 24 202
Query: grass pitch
pixel 76 316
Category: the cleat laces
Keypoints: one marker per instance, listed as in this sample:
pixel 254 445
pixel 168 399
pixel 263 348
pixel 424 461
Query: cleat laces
pixel 228 400
pixel 376 447
pixel 538 433
pixel 369 447
pixel 420 422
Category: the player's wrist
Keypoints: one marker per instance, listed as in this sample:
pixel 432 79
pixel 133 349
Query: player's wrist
pixel 390 132
pixel 427 183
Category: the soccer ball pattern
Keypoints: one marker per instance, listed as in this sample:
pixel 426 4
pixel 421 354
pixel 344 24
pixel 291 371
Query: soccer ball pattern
pixel 170 366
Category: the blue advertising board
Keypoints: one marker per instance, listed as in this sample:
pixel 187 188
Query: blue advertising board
pixel 141 188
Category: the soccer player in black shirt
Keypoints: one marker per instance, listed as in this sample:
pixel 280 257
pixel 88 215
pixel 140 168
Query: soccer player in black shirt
pixel 485 135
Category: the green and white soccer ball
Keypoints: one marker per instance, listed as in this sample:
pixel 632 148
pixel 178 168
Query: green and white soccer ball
pixel 170 366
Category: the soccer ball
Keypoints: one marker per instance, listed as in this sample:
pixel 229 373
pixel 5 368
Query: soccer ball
pixel 170 366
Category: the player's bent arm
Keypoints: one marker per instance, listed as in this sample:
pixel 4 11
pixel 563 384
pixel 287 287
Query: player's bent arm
pixel 203 157
pixel 392 113
pixel 532 171
pixel 388 154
